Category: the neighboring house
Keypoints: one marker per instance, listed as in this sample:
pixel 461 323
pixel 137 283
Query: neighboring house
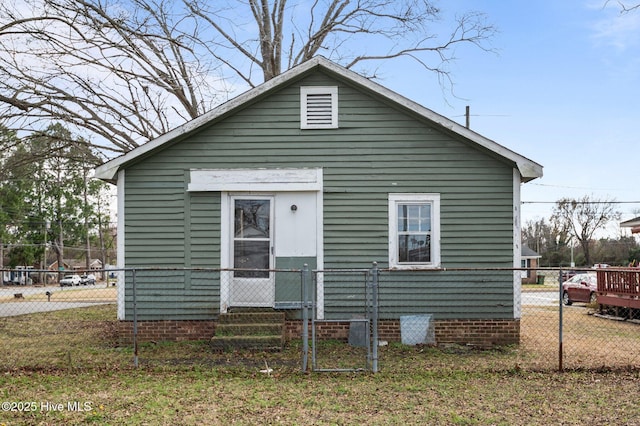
pixel 77 265
pixel 529 260
pixel 65 266
pixel 323 166
pixel 81 265
pixel 634 224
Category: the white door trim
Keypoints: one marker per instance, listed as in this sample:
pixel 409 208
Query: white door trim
pixel 255 180
pixel 227 189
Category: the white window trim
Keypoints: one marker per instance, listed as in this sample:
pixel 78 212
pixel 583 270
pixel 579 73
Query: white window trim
pixel 394 200
pixel 318 90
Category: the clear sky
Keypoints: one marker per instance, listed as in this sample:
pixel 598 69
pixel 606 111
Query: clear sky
pixel 563 90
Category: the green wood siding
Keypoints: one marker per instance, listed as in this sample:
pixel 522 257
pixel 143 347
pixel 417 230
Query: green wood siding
pixel 173 294
pixel 204 246
pixel 375 151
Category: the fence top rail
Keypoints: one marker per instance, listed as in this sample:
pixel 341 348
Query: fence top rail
pixel 141 268
pixel 611 269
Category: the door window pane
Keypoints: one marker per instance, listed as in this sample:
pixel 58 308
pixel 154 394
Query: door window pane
pixel 251 255
pixel 252 238
pixel 251 219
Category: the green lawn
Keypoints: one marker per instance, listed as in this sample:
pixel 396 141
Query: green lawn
pixel 221 395
pixel 65 368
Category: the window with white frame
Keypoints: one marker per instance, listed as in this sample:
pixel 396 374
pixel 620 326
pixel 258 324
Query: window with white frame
pixel 318 107
pixel 414 231
pixel 526 265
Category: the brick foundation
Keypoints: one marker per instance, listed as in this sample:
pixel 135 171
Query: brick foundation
pixel 166 330
pixel 482 333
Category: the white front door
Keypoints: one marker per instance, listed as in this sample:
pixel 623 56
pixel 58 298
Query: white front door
pixel 252 254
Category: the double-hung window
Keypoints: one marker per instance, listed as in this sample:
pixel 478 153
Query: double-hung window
pixel 414 231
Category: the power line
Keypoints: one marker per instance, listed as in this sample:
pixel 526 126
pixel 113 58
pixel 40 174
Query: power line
pixel 582 202
pixel 573 187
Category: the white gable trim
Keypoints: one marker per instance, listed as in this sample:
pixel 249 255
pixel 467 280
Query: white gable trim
pixel 259 180
pixel 528 169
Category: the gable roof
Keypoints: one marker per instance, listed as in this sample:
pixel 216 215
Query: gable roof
pixel 528 169
pixel 528 253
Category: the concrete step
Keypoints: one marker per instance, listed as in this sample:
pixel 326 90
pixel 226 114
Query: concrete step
pixel 231 343
pixel 251 317
pixel 249 329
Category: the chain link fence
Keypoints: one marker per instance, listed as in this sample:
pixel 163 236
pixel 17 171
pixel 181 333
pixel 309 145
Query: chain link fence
pixel 321 320
pixel 58 320
pixel 343 308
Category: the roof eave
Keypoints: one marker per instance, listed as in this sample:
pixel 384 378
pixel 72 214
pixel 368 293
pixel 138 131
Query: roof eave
pixel 528 169
pixel 109 170
pixel 631 223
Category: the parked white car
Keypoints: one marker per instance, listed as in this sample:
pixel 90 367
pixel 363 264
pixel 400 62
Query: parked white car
pixel 70 280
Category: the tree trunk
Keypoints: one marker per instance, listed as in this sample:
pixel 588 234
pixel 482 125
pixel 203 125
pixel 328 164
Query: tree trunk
pixel 86 223
pixel 59 248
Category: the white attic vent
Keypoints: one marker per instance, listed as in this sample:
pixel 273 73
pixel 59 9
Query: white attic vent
pixel 318 107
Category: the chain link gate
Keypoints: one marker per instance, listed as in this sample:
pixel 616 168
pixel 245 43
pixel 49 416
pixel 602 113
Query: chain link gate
pixel 365 327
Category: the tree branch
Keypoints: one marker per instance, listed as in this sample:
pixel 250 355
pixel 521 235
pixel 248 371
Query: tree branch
pixel 123 72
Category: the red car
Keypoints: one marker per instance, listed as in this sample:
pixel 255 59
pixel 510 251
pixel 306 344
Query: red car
pixel 580 288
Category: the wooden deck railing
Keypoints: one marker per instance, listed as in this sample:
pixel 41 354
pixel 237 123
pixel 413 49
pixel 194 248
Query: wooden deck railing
pixel 619 281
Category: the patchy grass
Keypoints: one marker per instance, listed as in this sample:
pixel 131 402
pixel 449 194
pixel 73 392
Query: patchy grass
pixel 71 358
pixel 215 395
pixel 588 341
pixel 71 338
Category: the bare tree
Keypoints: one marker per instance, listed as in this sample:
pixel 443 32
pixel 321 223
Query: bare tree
pixel 121 75
pixel 284 33
pixel 123 72
pixel 625 6
pixel 551 240
pixel 584 217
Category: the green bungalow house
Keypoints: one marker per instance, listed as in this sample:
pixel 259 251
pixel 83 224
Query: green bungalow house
pixel 323 166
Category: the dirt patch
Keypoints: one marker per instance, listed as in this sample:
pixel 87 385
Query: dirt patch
pixel 81 294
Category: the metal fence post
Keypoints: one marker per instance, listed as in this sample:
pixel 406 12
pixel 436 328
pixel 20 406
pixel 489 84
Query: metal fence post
pixel 305 316
pixel 374 316
pixel 135 320
pixel 314 315
pixel 560 337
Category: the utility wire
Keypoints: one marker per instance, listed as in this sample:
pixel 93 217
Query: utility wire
pixel 582 202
